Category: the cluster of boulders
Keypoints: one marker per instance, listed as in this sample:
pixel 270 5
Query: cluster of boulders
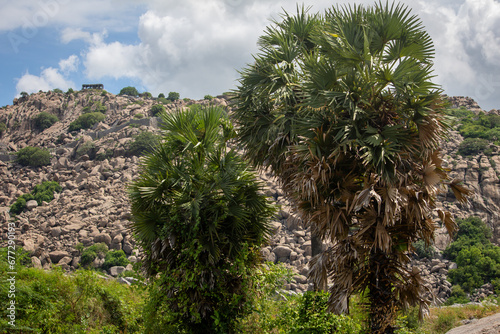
pixel 93 206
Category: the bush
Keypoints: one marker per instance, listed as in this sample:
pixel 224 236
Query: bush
pixel 115 258
pixel 86 121
pixel 208 97
pixel 81 302
pixel 33 156
pixel 40 193
pixel 3 128
pixel 138 116
pixel 91 253
pixel 458 296
pixel 131 91
pixel 44 120
pixel 143 143
pixel 157 108
pixel 147 95
pixel 163 100
pixel 473 146
pixel 173 96
pixel 87 148
pixel 161 95
pixel 70 91
pixel 424 251
pixel 57 90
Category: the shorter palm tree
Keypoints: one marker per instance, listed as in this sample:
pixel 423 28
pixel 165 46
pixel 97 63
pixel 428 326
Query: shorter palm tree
pixel 200 217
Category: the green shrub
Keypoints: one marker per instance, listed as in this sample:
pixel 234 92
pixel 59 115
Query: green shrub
pixel 157 108
pixel 138 116
pixel 143 143
pixel 163 100
pixel 208 97
pixel 173 96
pixel 57 90
pixel 147 95
pixel 33 156
pixel 87 148
pixel 472 146
pixel 54 302
pixel 458 296
pixel 70 91
pixel 131 91
pixel 86 121
pixel 24 95
pixel 424 251
pixel 41 192
pixel 161 95
pixel 90 253
pixel 115 258
pixel 44 120
pixel 3 128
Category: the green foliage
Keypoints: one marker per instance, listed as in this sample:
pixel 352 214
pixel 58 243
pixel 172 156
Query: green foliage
pixel 24 95
pixel 143 143
pixel 88 148
pixel 138 116
pixel 3 128
pixel 147 95
pixel 198 199
pixel 53 302
pixel 91 253
pixel 33 156
pixel 473 146
pixel 115 258
pixel 173 96
pixel 86 121
pixel 208 97
pixel 478 260
pixel 131 91
pixel 485 126
pixel 458 296
pixel 156 109
pixel 164 100
pixel 70 91
pixel 44 120
pixel 423 250
pixel 43 192
pixel 57 90
pixel 161 95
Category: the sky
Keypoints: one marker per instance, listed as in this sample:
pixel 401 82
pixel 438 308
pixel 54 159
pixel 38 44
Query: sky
pixel 196 48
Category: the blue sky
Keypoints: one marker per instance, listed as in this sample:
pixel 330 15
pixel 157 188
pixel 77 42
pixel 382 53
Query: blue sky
pixel 196 47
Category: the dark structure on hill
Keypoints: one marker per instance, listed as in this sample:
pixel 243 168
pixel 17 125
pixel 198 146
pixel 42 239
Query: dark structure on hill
pixel 93 86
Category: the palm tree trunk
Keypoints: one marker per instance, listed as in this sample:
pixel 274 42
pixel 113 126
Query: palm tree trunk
pixel 317 248
pixel 380 296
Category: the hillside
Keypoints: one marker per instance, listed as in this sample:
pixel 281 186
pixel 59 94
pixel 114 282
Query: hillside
pixel 93 167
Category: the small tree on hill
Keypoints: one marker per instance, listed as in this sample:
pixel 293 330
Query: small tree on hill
pixel 173 96
pixel 44 120
pixel 131 91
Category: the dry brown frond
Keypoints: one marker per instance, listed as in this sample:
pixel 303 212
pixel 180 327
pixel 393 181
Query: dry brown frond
pixel 460 191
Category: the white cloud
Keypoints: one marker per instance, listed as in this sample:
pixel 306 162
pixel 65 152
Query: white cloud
pixel 49 78
pixel 70 64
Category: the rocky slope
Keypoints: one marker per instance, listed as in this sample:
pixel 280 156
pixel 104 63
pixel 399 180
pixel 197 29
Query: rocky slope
pixel 93 167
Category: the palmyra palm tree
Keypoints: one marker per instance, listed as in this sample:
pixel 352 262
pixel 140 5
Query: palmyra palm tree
pixel 342 108
pixel 200 217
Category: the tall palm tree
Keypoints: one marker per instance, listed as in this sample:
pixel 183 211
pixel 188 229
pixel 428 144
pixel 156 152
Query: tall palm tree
pixel 200 217
pixel 361 161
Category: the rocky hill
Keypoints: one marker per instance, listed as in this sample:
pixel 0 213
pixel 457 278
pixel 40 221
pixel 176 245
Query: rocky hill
pixel 94 166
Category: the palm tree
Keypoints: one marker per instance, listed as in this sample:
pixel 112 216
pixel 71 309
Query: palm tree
pixel 200 217
pixel 360 157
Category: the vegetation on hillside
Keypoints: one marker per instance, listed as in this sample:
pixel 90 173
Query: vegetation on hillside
pixel 86 121
pixel 478 260
pixel 43 192
pixel 44 120
pixel 33 156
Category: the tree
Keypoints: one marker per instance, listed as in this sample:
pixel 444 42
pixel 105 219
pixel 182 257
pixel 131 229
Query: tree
pixel 161 95
pixel 342 109
pixel 173 96
pixel 157 109
pixel 86 121
pixel 200 217
pixel 131 91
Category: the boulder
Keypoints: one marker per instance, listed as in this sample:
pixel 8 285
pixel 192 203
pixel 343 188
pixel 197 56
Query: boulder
pixel 282 251
pixel 116 270
pixel 31 204
pixel 57 256
pixel 103 237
